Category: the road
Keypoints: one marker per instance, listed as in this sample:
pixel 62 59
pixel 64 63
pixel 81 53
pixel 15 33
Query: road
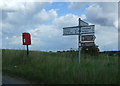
pixel 12 80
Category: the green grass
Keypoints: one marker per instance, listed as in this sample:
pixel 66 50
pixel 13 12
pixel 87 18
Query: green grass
pixel 61 68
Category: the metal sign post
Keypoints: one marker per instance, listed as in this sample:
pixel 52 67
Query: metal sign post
pixel 85 34
pixel 79 42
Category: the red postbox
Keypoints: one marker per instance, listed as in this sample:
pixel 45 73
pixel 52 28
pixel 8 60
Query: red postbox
pixel 26 39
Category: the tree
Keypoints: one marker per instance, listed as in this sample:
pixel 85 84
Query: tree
pixel 93 50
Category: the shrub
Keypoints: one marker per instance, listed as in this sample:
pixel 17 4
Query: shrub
pixel 93 50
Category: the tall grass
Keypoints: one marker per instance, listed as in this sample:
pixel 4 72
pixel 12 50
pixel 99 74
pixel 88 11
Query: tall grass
pixel 61 68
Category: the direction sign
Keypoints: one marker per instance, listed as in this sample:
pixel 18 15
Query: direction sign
pixel 75 30
pixel 82 23
pixel 71 30
pixel 86 34
pixel 87 37
pixel 83 44
pixel 87 29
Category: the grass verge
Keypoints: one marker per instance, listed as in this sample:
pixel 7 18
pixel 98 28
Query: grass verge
pixel 61 68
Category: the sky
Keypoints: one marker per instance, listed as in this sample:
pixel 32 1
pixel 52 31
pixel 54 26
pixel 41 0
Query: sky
pixel 45 22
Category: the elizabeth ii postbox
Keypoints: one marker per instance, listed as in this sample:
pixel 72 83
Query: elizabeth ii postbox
pixel 26 39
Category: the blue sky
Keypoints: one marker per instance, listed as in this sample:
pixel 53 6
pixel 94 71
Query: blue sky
pixel 62 8
pixel 44 21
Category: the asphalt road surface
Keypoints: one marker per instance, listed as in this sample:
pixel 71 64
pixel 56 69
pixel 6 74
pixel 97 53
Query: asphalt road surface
pixel 12 80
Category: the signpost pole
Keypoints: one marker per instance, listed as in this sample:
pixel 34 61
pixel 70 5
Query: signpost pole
pixel 79 42
pixel 27 50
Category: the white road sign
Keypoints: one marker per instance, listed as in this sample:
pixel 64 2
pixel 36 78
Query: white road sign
pixel 75 30
pixel 87 29
pixel 82 23
pixel 71 30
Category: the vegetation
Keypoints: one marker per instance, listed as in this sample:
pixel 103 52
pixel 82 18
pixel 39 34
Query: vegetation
pixel 93 50
pixel 61 67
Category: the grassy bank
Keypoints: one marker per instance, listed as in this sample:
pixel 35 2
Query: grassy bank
pixel 61 68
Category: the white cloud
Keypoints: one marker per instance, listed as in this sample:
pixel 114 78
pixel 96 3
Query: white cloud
pixel 44 37
pixel 49 37
pixel 116 24
pixel 44 30
pixel 15 22
pixel 20 20
pixel 33 17
pixel 44 16
pixel 7 25
pixel 6 38
pixel 16 40
pixel 104 14
pixel 77 5
pixel 11 5
pixel 22 5
pixel 23 15
pixel 106 37
pixel 68 20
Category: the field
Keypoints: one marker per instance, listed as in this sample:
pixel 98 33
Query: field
pixel 61 67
